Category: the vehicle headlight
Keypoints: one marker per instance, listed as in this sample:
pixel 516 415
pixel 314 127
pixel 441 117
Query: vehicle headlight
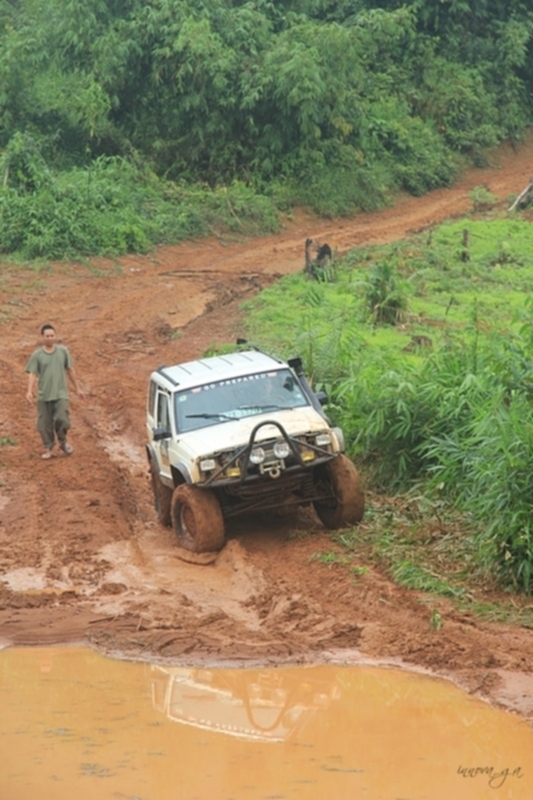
pixel 257 456
pixel 281 449
pixel 323 439
pixel 207 464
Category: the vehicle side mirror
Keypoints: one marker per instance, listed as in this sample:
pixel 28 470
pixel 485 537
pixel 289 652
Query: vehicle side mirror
pixel 322 398
pixel 161 433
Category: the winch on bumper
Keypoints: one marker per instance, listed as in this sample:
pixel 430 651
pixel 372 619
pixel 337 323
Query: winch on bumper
pixel 272 457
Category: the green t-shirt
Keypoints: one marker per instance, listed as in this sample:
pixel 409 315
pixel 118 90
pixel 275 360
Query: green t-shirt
pixel 50 370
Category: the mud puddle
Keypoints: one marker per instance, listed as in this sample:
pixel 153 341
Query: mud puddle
pixel 77 724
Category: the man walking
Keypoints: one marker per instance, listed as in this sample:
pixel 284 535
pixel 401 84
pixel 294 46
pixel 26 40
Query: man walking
pixel 48 368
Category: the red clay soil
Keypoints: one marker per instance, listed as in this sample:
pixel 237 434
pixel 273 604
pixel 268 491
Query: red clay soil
pixel 82 556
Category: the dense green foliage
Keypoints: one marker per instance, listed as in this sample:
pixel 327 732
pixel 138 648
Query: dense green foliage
pixel 443 401
pixel 331 104
pixel 112 207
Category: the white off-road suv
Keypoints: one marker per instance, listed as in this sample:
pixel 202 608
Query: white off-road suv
pixel 240 433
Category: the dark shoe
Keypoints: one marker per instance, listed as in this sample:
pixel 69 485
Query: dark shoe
pixel 66 448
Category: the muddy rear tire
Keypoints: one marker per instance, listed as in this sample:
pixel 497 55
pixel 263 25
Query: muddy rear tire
pixel 197 519
pixel 342 481
pixel 162 496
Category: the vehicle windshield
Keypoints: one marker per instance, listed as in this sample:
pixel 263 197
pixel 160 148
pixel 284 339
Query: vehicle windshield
pixel 235 398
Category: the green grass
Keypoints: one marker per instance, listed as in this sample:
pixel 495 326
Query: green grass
pixel 444 290
pixel 429 550
pixel 330 558
pixel 441 400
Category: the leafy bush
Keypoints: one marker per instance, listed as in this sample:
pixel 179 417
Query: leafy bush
pixel 386 298
pixel 114 207
pixel 415 155
pixel 333 191
pixel 483 199
pixel 23 166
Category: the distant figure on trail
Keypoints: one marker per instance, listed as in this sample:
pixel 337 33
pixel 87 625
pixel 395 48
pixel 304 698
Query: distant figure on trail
pixel 317 256
pixel 48 368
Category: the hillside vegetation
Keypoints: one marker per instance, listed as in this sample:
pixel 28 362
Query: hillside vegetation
pixel 123 125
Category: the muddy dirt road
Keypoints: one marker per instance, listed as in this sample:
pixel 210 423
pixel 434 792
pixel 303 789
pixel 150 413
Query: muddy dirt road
pixel 82 557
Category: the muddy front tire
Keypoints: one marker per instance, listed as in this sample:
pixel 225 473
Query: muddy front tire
pixel 197 519
pixel 340 479
pixel 162 496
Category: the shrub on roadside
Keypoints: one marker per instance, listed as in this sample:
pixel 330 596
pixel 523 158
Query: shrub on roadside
pixel 115 207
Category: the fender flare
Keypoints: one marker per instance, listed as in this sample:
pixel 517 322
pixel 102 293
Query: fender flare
pixel 150 454
pixel 180 472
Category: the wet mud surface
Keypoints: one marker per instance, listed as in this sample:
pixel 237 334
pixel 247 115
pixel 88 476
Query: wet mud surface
pixel 82 556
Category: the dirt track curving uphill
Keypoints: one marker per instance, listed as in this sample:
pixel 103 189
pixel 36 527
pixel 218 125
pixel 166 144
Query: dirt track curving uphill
pixel 82 557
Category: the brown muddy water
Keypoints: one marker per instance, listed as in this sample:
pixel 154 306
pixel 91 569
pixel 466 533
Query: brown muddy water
pixel 75 725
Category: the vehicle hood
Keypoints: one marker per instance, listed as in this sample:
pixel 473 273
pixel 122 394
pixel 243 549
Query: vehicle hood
pixel 236 433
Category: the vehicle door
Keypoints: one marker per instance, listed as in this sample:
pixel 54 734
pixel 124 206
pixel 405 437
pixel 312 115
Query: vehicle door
pixel 163 423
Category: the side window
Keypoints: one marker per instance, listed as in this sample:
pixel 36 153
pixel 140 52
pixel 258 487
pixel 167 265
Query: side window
pixel 151 398
pixel 163 411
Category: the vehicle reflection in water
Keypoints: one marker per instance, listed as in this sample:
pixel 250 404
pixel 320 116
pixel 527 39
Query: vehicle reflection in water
pixel 267 705
pixel 74 724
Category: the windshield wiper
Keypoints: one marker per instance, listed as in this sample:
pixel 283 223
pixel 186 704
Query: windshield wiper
pixel 209 416
pixel 265 407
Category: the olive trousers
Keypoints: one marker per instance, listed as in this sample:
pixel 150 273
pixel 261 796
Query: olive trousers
pixel 53 420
